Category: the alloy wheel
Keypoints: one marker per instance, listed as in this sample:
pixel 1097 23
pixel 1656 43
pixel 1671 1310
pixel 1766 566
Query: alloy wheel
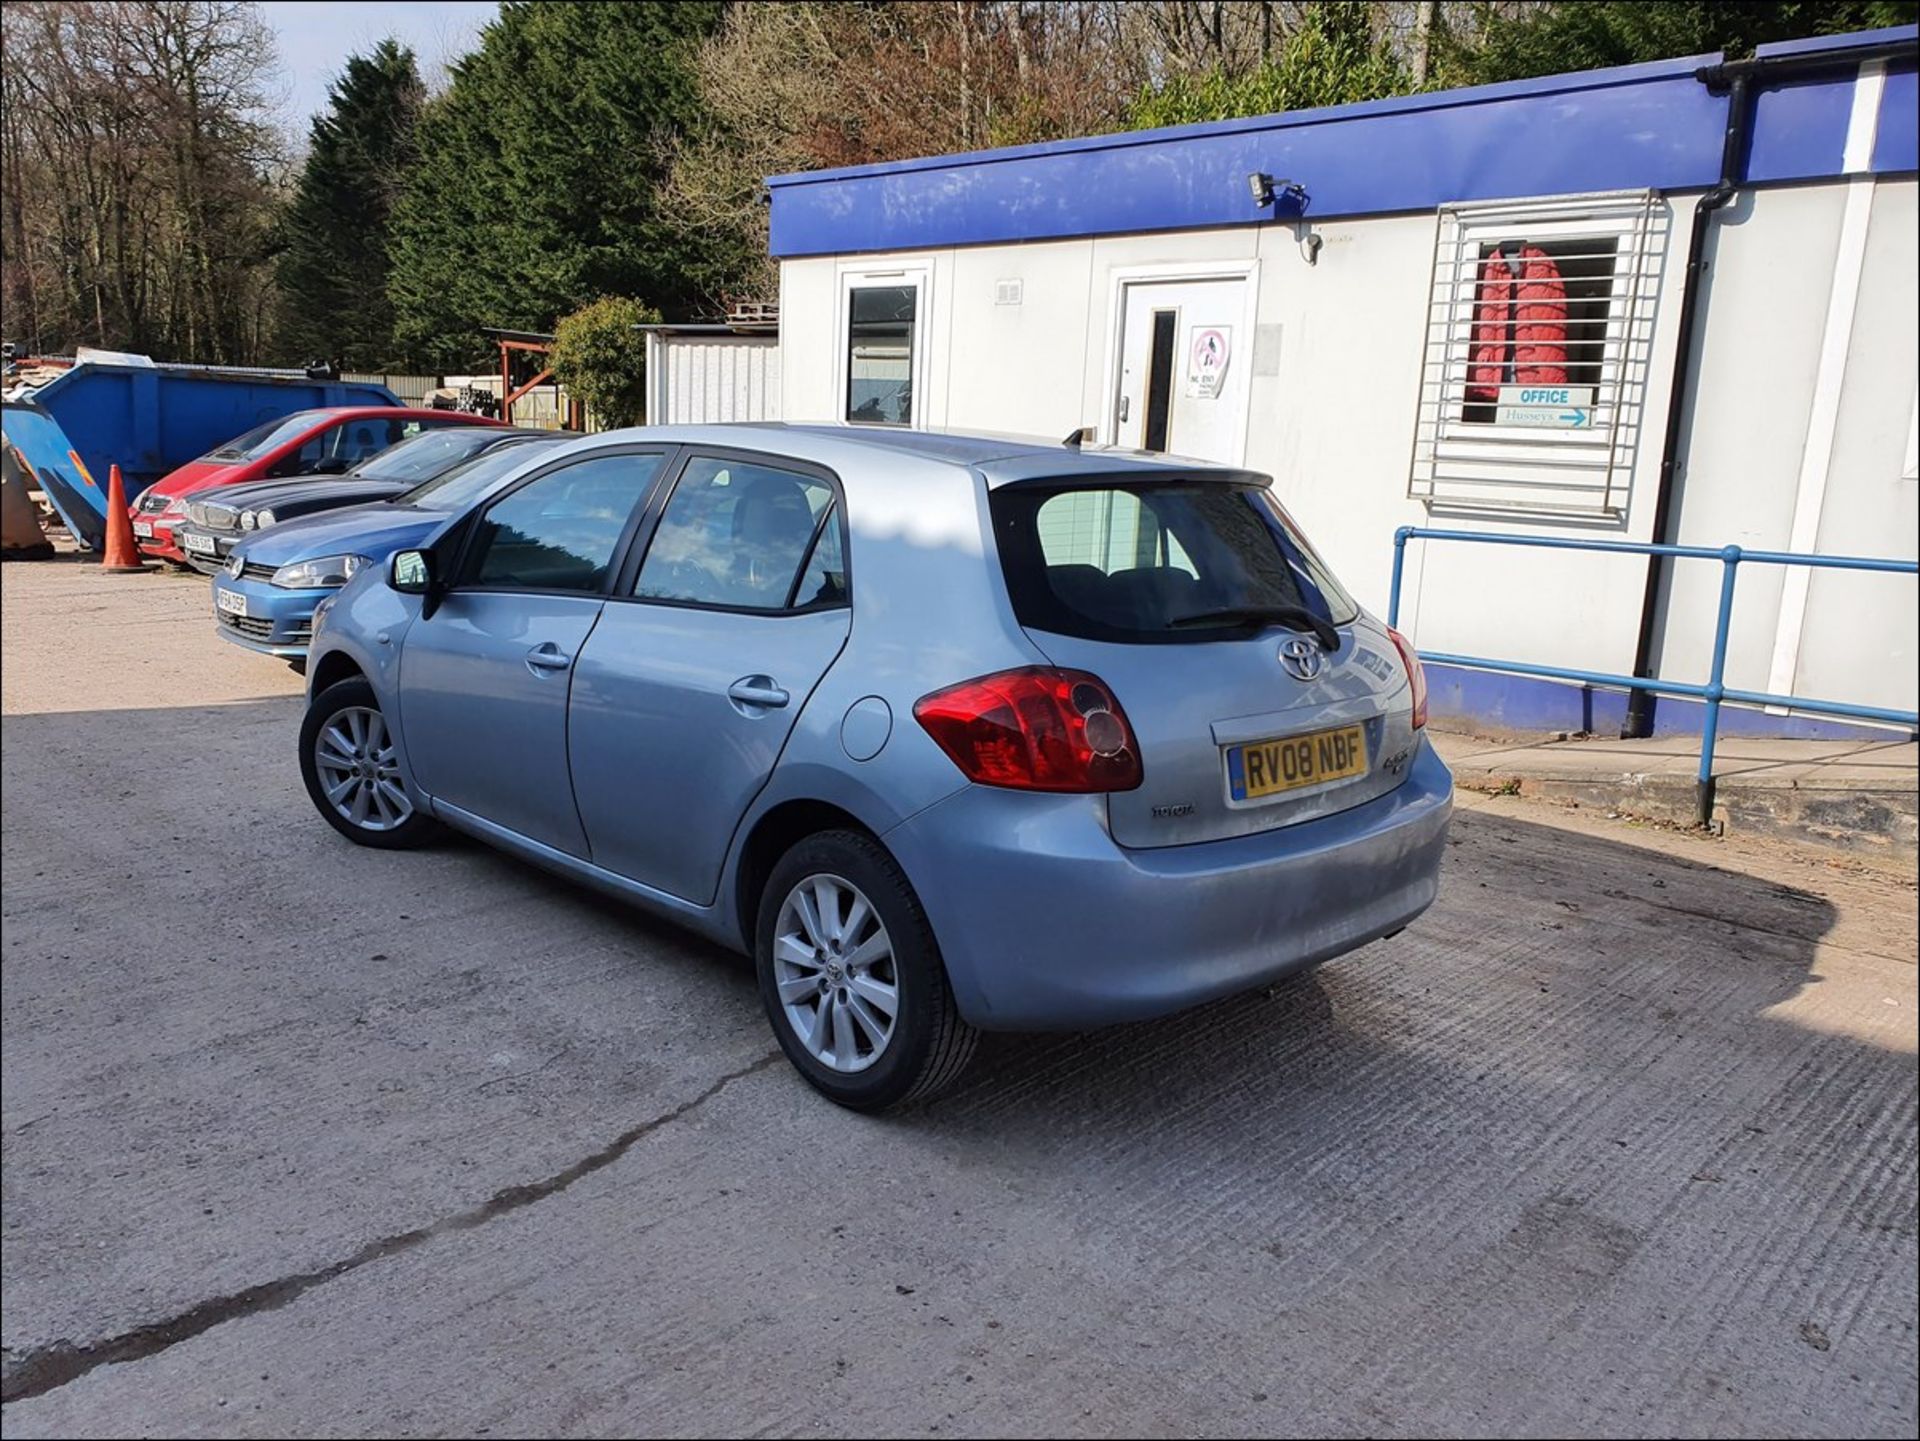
pixel 359 771
pixel 834 966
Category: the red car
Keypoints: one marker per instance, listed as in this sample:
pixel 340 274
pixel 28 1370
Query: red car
pixel 308 442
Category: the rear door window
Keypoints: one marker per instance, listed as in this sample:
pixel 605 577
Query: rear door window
pixel 337 448
pixel 745 536
pixel 359 440
pixel 1156 562
pixel 824 580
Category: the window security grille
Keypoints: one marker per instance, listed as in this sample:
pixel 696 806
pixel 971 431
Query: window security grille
pixel 1539 339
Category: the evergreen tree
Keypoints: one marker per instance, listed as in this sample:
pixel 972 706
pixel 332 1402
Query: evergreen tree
pixel 537 187
pixel 1487 42
pixel 333 268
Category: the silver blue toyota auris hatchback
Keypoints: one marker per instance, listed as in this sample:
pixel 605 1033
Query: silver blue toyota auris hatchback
pixel 949 732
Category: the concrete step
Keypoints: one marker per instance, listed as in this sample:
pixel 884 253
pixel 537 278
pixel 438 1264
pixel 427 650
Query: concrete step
pixel 1862 798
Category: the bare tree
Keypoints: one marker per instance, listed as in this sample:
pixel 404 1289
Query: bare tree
pixel 801 86
pixel 1422 39
pixel 137 154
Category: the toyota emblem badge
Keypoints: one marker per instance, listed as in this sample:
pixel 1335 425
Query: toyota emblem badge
pixel 1300 657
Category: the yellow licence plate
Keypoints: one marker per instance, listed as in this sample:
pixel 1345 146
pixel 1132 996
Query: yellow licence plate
pixel 1265 768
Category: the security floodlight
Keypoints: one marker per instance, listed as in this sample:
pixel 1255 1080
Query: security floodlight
pixel 1266 191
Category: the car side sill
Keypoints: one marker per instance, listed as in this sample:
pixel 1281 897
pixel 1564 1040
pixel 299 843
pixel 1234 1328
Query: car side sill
pixel 704 920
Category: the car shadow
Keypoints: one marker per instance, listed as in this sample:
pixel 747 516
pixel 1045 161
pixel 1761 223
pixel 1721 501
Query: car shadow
pixel 1568 1128
pixel 1574 945
pixel 1568 947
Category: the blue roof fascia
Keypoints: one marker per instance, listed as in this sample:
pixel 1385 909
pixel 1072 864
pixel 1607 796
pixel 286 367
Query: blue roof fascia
pixel 1637 127
pixel 1800 126
pixel 1800 129
pixel 1896 143
pixel 1815 44
pixel 1650 126
pixel 1359 110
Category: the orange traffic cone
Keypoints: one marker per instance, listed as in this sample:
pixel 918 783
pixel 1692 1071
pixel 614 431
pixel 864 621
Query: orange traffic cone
pixel 123 556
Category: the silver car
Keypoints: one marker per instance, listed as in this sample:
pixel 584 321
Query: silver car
pixel 950 733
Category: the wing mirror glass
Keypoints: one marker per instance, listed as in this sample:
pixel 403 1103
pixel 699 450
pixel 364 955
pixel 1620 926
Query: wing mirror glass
pixel 411 572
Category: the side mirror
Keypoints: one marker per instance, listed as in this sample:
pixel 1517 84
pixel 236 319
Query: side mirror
pixel 332 465
pixel 411 571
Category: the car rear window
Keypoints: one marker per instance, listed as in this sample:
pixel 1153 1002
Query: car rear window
pixel 265 437
pixel 1160 561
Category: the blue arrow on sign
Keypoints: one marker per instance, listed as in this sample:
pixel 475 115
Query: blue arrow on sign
pixel 1574 417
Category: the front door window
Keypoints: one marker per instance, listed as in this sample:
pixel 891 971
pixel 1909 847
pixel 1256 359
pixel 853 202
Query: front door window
pixel 559 532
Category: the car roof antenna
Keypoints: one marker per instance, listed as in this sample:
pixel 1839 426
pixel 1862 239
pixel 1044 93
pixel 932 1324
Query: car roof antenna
pixel 1079 437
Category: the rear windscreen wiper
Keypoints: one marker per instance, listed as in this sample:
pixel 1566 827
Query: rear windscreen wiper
pixel 1292 616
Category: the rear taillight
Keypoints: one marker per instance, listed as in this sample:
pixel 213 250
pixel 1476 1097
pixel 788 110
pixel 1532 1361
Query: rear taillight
pixel 1034 729
pixel 1416 676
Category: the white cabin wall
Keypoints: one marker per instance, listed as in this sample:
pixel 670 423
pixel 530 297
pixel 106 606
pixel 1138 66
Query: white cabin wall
pixel 1337 354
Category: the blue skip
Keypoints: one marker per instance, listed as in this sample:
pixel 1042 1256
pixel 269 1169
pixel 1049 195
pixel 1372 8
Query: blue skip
pixel 148 419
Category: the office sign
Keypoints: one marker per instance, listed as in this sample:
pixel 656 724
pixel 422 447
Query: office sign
pixel 1546 407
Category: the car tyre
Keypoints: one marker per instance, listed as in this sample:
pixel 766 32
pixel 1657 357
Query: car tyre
pixel 347 761
pixel 927 1044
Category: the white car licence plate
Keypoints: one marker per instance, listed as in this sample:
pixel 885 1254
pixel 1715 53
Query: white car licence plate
pixel 231 601
pixel 143 529
pixel 197 543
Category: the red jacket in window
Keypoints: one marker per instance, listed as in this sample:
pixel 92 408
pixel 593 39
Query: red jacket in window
pixel 1519 323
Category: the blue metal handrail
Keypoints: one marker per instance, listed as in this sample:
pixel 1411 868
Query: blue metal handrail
pixel 1715 691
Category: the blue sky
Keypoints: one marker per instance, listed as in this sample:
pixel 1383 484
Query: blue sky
pixel 316 36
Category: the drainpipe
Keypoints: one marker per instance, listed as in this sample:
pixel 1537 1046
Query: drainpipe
pixel 1733 164
pixel 1739 79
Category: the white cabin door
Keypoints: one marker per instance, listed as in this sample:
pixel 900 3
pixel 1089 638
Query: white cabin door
pixel 1184 358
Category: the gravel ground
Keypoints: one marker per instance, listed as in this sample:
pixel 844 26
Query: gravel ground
pixel 299 1137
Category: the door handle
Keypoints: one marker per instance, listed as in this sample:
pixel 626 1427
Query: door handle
pixel 1123 408
pixel 757 690
pixel 548 656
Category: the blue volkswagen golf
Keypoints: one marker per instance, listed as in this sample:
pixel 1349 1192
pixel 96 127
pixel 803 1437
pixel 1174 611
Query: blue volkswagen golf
pixel 265 592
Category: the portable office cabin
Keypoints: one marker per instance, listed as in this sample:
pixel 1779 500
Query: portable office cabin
pixel 1320 295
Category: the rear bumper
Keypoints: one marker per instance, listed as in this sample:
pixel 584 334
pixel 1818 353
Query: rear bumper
pixel 1046 924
